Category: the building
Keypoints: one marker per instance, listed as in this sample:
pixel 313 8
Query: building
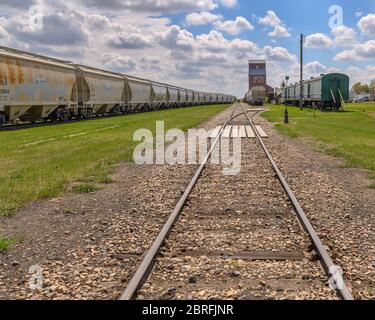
pixel 257 74
pixel 258 77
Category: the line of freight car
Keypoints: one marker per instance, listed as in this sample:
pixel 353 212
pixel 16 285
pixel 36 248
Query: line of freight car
pixel 35 87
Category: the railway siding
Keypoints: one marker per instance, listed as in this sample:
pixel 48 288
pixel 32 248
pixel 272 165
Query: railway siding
pixel 248 252
pixel 239 261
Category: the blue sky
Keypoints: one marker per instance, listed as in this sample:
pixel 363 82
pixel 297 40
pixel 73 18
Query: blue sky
pixel 306 17
pixel 203 44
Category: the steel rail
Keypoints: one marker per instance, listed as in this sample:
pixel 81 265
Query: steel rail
pixel 146 266
pixel 329 267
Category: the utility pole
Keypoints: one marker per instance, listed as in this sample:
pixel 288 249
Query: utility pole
pixel 301 72
pixel 286 113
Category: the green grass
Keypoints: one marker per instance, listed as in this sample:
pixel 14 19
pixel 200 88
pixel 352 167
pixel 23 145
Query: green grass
pixel 349 135
pixel 5 243
pixel 42 162
pixel 85 188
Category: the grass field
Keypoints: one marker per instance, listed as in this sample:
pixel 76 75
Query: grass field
pixel 42 162
pixel 349 135
pixel 5 243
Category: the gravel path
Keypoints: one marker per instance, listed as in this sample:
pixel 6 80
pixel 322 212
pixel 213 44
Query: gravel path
pixel 338 202
pixel 231 233
pixel 88 246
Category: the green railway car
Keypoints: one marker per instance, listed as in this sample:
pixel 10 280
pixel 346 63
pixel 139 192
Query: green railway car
pixel 325 92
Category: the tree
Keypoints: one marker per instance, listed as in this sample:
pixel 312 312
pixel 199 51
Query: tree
pixel 359 88
pixel 372 88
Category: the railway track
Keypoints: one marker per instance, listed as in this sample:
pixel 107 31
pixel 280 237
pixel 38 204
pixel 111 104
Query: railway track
pixel 238 237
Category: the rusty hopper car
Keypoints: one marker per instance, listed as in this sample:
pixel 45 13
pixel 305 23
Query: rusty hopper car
pixel 99 92
pixel 33 87
pixel 39 88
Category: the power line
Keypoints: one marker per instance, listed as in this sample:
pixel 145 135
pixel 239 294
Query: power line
pixel 334 54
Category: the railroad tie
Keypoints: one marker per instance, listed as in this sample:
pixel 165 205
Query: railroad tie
pixel 261 132
pixel 227 131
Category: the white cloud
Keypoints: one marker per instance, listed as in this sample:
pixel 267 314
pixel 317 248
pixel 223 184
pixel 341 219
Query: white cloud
pixel 310 69
pixel 58 29
pixel 271 19
pixel 117 62
pixel 228 3
pixel 359 75
pixel 365 51
pixel 159 50
pixel 20 4
pixel 278 54
pixel 318 40
pixel 314 68
pixel 367 25
pixel 3 32
pixel 159 6
pixel 279 32
pixel 344 36
pixel 213 41
pixel 234 27
pixel 243 45
pixel 202 18
pixel 98 21
pixel 176 38
pixel 126 40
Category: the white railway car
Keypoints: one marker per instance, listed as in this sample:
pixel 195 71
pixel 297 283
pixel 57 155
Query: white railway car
pixel 201 98
pixel 190 97
pixel 173 98
pixel 98 92
pixel 183 98
pixel 138 96
pixel 196 98
pixel 207 98
pixel 160 96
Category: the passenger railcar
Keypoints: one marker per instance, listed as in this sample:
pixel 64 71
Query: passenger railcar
pixel 325 92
